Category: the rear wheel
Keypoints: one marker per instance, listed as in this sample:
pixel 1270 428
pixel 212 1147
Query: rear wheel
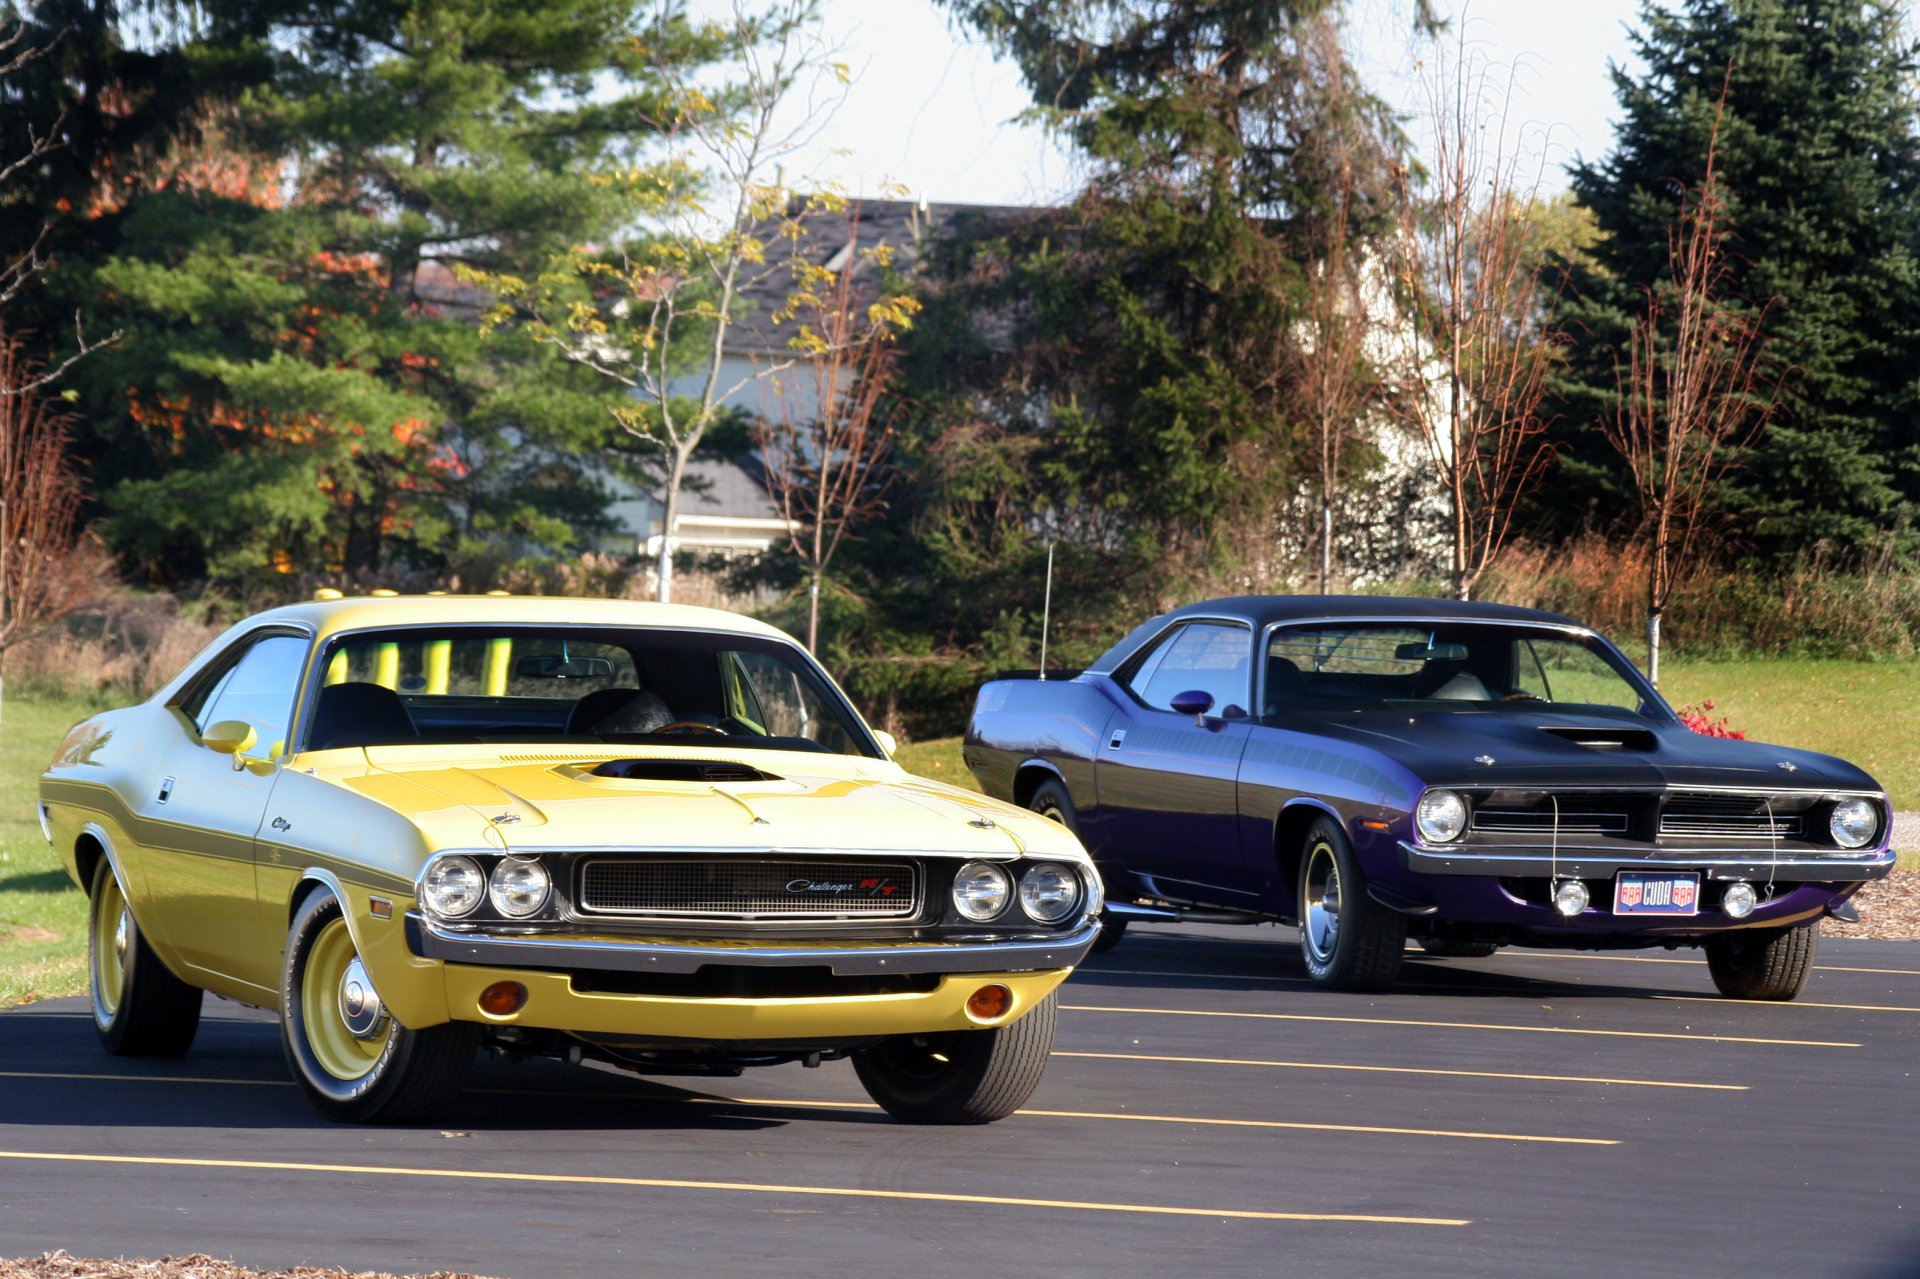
pixel 353 1061
pixel 1052 802
pixel 139 1007
pixel 960 1076
pixel 1763 964
pixel 1348 940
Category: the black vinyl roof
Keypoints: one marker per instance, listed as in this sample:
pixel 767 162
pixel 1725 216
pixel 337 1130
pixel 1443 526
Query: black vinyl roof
pixel 1264 610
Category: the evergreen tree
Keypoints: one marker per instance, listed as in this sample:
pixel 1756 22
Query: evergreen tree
pixel 302 374
pixel 1134 389
pixel 1819 164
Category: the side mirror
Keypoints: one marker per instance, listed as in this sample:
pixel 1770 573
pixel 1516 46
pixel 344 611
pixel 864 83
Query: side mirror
pixel 1195 702
pixel 886 741
pixel 229 736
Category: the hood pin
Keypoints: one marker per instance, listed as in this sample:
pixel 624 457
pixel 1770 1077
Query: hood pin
pixel 1483 759
pixel 983 823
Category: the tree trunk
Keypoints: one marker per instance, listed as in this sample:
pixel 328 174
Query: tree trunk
pixel 1326 544
pixel 669 516
pixel 1653 647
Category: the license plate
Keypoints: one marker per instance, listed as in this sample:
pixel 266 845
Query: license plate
pixel 1639 892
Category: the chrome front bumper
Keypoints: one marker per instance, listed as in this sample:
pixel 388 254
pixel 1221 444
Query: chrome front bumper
pixel 1585 864
pixel 639 956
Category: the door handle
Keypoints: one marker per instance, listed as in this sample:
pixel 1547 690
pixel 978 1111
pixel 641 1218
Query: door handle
pixel 166 790
pixel 1119 736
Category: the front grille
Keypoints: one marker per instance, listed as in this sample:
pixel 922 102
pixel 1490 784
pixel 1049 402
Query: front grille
pixel 1727 816
pixel 748 888
pixel 1543 821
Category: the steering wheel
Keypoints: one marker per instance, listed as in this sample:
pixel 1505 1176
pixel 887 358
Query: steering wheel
pixel 690 726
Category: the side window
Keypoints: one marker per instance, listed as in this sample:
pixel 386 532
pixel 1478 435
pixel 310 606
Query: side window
pixel 1208 656
pixel 259 689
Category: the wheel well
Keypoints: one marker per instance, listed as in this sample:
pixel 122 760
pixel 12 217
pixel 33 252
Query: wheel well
pixel 87 852
pixel 1030 779
pixel 301 891
pixel 1289 840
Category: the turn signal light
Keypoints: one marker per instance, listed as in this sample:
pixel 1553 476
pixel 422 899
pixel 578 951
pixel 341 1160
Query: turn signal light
pixel 989 1003
pixel 503 999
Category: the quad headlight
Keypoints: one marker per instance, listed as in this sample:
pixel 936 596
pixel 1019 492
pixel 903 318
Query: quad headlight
pixel 519 887
pixel 1440 817
pixel 1049 892
pixel 453 887
pixel 1854 822
pixel 981 890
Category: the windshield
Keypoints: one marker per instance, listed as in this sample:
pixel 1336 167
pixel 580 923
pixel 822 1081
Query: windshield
pixel 576 685
pixel 1453 666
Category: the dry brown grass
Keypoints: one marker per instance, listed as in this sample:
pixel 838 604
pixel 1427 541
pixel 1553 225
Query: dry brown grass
pixel 59 1265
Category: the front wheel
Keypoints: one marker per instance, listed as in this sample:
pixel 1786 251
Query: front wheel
pixel 1348 940
pixel 959 1076
pixel 139 1007
pixel 1761 964
pixel 353 1061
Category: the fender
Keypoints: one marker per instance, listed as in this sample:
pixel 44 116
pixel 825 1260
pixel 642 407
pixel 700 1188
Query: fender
pixel 413 989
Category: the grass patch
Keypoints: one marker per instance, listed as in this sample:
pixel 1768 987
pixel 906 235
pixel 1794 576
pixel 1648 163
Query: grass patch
pixel 938 758
pixel 43 917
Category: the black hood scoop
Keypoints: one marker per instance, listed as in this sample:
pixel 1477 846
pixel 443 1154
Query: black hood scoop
pixel 681 770
pixel 1606 737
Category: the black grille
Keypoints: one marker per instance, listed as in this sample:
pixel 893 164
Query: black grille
pixel 1727 816
pixel 746 888
pixel 1585 820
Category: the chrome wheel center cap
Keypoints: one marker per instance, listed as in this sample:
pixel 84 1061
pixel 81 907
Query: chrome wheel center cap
pixel 121 929
pixel 360 1006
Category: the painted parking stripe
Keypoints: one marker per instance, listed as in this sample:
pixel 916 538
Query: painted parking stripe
pixel 1648 959
pixel 1406 1070
pixel 1299 1126
pixel 1460 1025
pixel 1188 1119
pixel 1790 1003
pixel 738 1187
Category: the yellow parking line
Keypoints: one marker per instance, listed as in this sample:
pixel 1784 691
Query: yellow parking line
pixel 1184 1119
pixel 144 1079
pixel 1460 1025
pixel 1646 959
pixel 1790 1003
pixel 1406 1070
pixel 747 1187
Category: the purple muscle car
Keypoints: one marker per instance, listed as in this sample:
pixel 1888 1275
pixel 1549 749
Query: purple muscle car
pixel 1467 775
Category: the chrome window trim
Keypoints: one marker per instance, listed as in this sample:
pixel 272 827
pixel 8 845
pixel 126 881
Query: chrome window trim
pixel 1127 669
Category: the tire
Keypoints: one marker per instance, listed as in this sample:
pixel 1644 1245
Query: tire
pixel 1448 948
pixel 1348 940
pixel 382 1072
pixel 959 1076
pixel 139 1007
pixel 1763 964
pixel 1053 802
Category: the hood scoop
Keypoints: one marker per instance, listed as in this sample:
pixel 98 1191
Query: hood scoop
pixel 1607 737
pixel 681 770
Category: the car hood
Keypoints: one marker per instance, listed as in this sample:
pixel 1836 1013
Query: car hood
pixel 800 801
pixel 1509 747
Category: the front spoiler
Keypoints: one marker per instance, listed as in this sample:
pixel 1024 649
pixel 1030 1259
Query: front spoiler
pixel 1841 869
pixel 645 956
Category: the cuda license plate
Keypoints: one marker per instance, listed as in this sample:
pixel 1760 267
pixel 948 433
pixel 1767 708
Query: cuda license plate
pixel 1639 892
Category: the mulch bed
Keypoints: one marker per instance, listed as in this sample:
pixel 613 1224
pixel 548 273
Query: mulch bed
pixel 1889 910
pixel 58 1265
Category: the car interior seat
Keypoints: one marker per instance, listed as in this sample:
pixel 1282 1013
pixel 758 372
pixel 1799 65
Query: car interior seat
pixel 1286 686
pixel 618 710
pixel 360 715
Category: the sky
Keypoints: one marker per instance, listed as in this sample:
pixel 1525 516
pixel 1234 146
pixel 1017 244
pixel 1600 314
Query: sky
pixel 937 114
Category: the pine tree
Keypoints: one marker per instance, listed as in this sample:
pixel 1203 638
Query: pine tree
pixel 1820 166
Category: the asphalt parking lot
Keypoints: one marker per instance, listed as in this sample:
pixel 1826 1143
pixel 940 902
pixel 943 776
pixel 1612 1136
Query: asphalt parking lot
pixel 1207 1113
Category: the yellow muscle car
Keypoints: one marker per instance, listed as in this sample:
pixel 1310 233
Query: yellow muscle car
pixel 652 835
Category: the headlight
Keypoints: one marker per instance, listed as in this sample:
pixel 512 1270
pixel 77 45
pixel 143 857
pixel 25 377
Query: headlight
pixel 1440 817
pixel 453 887
pixel 1854 822
pixel 980 890
pixel 1049 892
pixel 519 888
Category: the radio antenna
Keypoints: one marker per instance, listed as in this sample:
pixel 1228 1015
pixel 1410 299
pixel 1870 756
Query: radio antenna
pixel 1046 613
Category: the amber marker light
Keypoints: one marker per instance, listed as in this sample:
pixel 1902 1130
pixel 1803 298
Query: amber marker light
pixel 989 1003
pixel 503 999
pixel 1369 823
